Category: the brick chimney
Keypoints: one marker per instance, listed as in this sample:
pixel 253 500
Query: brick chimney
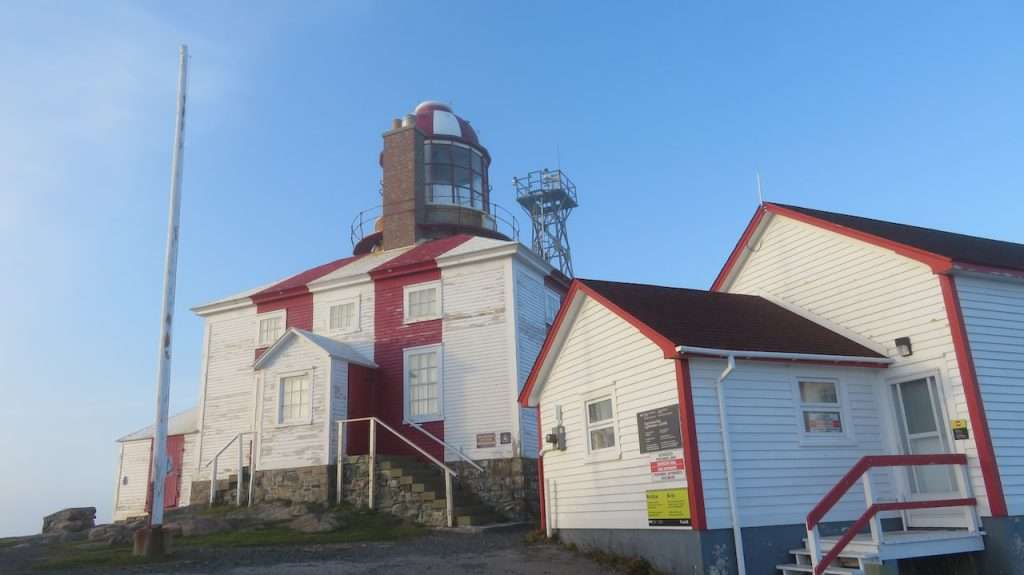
pixel 402 166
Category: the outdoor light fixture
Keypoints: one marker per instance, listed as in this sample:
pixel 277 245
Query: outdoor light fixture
pixel 903 346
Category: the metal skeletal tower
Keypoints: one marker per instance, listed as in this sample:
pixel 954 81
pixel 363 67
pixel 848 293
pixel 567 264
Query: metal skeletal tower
pixel 549 197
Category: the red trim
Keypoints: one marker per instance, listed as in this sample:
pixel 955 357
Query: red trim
pixel 691 456
pixel 867 462
pixel 972 394
pixel 738 248
pixel 938 263
pixel 540 472
pixel 877 508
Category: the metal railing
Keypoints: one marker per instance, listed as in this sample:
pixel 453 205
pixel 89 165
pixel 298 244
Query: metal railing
pixel 870 517
pixel 241 467
pixel 470 210
pixel 448 446
pixel 449 473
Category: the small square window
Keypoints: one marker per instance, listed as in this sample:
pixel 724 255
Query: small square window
pixel 295 399
pixel 600 424
pixel 344 316
pixel 820 408
pixel 271 327
pixel 422 302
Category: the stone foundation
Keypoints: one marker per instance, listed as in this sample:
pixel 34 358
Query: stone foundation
pixel 314 484
pixel 509 486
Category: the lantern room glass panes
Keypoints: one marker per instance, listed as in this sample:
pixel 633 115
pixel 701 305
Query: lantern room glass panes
pixel 455 175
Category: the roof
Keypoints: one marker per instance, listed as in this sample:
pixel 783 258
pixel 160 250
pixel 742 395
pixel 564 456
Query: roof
pixel 698 318
pixel 436 119
pixel 178 424
pixel 333 348
pixel 957 247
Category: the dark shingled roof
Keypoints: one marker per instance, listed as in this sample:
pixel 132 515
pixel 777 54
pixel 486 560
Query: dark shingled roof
pixel 957 247
pixel 725 321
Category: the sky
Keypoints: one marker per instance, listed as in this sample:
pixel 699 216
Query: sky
pixel 661 113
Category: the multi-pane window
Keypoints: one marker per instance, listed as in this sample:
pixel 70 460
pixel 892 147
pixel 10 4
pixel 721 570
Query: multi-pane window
pixel 271 328
pixel 600 424
pixel 343 316
pixel 551 304
pixel 422 302
pixel 423 384
pixel 295 399
pixel 454 174
pixel 820 407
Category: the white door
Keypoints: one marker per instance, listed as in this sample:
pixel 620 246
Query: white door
pixel 922 430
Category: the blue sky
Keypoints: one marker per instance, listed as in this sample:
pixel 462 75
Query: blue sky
pixel 661 114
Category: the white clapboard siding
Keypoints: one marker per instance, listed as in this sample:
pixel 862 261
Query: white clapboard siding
pixel 228 399
pixel 780 475
pixel 189 460
pixel 993 313
pixel 131 492
pixel 531 329
pixel 602 350
pixel 303 444
pixel 479 386
pixel 870 292
pixel 339 405
pixel 360 340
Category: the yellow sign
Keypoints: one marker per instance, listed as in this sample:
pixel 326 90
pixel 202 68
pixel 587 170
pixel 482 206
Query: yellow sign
pixel 960 429
pixel 668 507
pixel 959 424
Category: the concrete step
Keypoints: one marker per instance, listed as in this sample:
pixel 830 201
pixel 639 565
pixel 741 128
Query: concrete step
pixel 475 520
pixel 794 568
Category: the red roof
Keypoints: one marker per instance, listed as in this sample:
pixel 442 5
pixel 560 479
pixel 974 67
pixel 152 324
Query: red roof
pixel 698 318
pixel 297 283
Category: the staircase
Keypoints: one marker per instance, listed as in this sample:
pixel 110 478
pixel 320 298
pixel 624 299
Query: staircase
pixel 416 490
pixel 862 551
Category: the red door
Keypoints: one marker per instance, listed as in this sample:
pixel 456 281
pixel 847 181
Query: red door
pixel 172 484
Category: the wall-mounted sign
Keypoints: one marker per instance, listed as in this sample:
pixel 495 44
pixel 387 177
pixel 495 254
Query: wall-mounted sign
pixel 506 437
pixel 668 467
pixel 668 507
pixel 485 440
pixel 659 429
pixel 823 422
pixel 960 429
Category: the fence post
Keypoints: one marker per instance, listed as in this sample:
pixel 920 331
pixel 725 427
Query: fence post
pixel 241 462
pixel 341 459
pixel 252 469
pixel 869 498
pixel 449 500
pixel 373 454
pixel 213 482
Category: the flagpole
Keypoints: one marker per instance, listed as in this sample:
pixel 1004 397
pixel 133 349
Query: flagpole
pixel 167 315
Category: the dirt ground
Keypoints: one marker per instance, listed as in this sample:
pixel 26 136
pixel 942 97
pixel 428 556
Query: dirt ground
pixel 500 552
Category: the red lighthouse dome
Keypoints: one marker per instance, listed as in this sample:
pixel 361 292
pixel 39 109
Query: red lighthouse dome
pixel 436 120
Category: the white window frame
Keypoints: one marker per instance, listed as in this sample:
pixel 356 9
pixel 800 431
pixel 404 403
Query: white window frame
pixel 307 418
pixel 283 314
pixel 552 303
pixel 608 453
pixel 409 289
pixel 356 315
pixel 407 396
pixel 809 438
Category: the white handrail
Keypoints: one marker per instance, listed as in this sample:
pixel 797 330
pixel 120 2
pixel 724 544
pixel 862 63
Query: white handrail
pixel 241 466
pixel 449 473
pixel 458 452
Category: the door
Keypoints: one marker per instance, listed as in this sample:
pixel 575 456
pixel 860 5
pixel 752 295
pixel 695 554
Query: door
pixel 922 430
pixel 172 483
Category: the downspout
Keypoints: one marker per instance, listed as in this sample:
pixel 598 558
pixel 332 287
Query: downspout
pixel 737 529
pixel 548 530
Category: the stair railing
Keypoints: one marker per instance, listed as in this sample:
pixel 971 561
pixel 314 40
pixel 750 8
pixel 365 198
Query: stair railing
pixel 449 473
pixel 870 517
pixel 241 466
pixel 457 451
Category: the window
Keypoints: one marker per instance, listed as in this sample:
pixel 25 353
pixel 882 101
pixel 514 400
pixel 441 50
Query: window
pixel 820 408
pixel 344 316
pixel 423 384
pixel 422 302
pixel 551 305
pixel 454 174
pixel 294 399
pixel 600 424
pixel 271 328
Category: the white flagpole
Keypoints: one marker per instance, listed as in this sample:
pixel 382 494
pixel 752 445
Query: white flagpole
pixel 163 380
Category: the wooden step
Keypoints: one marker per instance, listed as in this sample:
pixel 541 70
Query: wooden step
pixel 791 568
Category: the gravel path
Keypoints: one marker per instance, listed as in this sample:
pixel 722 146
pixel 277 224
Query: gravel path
pixel 497 552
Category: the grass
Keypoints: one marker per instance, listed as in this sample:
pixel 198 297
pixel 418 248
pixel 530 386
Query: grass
pixel 10 541
pixel 362 526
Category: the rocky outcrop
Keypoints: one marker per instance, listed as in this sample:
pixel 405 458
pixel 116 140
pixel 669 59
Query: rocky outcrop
pixel 70 520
